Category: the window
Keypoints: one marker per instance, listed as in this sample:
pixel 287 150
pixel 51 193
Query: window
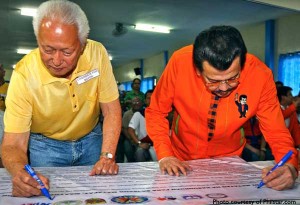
pixel 147 84
pixel 289 71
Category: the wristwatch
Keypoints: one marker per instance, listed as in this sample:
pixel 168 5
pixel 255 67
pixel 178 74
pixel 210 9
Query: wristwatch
pixel 107 155
pixel 139 142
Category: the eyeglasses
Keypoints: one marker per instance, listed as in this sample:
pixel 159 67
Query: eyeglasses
pixel 233 82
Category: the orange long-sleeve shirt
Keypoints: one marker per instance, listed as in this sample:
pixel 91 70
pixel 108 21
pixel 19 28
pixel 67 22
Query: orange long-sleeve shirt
pixel 179 86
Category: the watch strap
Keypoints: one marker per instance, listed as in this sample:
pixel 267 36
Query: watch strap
pixel 107 155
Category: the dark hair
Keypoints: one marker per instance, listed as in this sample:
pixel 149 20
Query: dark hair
pixel 219 46
pixel 135 80
pixel 278 83
pixel 283 91
pixel 243 96
pixel 148 91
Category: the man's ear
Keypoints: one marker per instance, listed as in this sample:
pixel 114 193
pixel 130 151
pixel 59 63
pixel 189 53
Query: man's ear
pixel 82 48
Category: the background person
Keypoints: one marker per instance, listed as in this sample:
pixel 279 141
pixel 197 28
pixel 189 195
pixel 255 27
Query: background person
pixel 253 150
pixel 278 84
pixel 54 100
pixel 135 92
pixel 129 149
pixel 202 82
pixel 3 88
pixel 3 91
pixel 1 135
pixel 137 132
pixel 288 107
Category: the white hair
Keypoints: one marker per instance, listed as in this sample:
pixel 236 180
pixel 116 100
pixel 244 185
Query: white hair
pixel 65 11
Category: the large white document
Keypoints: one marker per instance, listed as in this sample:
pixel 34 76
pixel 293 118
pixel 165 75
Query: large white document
pixel 213 181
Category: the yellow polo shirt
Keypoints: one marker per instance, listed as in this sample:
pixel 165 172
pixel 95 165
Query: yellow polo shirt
pixel 59 108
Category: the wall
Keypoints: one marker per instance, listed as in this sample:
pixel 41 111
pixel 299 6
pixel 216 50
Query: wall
pixel 254 37
pixel 153 66
pixel 8 73
pixel 287 40
pixel 126 73
pixel 288 36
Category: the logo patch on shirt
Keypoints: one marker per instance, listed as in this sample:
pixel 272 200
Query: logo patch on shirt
pixel 241 102
pixel 88 76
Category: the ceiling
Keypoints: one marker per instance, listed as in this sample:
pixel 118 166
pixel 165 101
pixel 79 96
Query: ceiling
pixel 186 18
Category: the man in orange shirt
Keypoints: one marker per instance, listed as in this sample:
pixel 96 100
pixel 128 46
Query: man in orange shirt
pixel 202 83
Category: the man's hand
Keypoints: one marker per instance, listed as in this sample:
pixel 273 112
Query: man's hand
pixel 105 166
pixel 145 146
pixel 281 178
pixel 23 185
pixel 296 102
pixel 174 166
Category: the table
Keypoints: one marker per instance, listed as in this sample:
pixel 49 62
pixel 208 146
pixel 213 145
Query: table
pixel 227 180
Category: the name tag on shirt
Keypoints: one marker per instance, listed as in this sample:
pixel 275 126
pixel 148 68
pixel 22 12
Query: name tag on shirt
pixel 88 76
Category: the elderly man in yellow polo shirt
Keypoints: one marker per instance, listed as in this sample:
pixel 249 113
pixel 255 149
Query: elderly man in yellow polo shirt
pixel 54 100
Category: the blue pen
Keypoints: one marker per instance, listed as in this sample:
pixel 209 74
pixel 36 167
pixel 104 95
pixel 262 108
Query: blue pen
pixel 279 164
pixel 33 174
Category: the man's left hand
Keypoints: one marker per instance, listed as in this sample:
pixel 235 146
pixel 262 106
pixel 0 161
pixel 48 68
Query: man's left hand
pixel 281 178
pixel 105 166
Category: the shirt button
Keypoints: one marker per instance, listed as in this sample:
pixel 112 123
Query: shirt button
pixel 70 84
pixel 73 95
pixel 75 106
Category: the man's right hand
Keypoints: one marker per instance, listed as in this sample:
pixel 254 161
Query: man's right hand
pixel 23 185
pixel 296 102
pixel 173 166
pixel 145 146
pixel 14 158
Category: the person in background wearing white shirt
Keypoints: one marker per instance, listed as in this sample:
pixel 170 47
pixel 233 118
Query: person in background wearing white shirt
pixel 138 134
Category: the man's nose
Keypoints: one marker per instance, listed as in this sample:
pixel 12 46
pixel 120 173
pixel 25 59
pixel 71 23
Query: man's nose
pixel 223 86
pixel 57 59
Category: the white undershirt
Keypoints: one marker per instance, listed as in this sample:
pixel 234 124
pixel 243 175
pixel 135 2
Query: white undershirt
pixel 138 123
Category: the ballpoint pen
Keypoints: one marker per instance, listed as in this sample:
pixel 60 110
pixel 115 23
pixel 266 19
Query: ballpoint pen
pixel 279 164
pixel 33 174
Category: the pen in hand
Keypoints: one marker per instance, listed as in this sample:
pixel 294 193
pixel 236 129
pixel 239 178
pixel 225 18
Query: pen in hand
pixel 279 164
pixel 33 174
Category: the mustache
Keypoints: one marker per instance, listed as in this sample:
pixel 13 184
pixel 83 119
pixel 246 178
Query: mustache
pixel 221 92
